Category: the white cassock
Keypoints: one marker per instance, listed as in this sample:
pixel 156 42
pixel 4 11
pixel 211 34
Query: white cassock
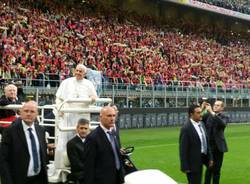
pixel 68 89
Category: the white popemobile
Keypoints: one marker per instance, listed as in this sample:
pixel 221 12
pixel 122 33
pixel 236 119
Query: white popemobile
pixel 138 177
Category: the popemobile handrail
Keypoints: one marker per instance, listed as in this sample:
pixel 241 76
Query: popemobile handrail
pixel 90 109
pixel 41 119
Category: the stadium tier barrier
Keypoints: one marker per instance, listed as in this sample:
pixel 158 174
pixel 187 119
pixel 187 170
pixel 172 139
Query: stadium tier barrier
pixel 170 94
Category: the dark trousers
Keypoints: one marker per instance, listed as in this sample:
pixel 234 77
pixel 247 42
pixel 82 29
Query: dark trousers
pixel 1 130
pixel 38 179
pixel 1 161
pixel 194 177
pixel 214 172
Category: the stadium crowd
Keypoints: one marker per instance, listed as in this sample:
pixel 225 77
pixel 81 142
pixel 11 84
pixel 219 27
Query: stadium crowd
pixel 34 43
pixel 242 6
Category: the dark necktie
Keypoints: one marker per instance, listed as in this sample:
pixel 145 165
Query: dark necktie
pixel 115 149
pixel 34 150
pixel 204 142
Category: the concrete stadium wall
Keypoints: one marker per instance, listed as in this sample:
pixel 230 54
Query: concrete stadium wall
pixel 164 117
pixel 163 11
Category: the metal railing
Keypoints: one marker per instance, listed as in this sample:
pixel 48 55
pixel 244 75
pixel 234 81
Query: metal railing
pixel 168 94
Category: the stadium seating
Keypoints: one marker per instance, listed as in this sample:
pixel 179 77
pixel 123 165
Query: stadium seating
pixel 37 46
pixel 242 6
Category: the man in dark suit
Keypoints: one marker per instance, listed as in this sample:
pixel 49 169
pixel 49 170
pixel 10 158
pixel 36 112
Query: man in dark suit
pixel 128 165
pixel 24 150
pixel 75 150
pixel 193 147
pixel 1 161
pixel 103 159
pixel 216 122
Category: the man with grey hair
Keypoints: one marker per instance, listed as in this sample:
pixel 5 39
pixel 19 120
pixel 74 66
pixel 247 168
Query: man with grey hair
pixel 76 87
pixel 72 88
pixel 9 97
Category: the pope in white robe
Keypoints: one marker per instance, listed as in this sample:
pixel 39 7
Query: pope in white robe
pixel 74 87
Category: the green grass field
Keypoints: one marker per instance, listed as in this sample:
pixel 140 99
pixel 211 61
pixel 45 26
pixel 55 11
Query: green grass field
pixel 157 148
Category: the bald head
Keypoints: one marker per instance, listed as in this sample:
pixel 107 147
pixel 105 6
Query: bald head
pixel 107 117
pixel 30 103
pixel 29 112
pixel 10 91
pixel 114 107
pixel 80 71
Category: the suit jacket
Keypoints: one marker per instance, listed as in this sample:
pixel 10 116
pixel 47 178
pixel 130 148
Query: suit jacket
pixel 1 161
pixel 4 113
pixel 190 149
pixel 100 161
pixel 117 133
pixel 215 126
pixel 15 154
pixel 75 151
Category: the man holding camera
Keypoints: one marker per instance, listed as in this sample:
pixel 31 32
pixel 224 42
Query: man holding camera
pixel 215 122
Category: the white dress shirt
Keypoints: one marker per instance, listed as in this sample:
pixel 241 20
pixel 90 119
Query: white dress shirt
pixel 30 171
pixel 106 131
pixel 198 130
pixel 83 139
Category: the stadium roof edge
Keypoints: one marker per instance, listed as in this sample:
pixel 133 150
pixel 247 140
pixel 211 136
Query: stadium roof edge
pixel 211 8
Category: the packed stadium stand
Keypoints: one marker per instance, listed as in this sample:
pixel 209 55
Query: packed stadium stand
pixel 35 42
pixel 242 6
pixel 151 71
